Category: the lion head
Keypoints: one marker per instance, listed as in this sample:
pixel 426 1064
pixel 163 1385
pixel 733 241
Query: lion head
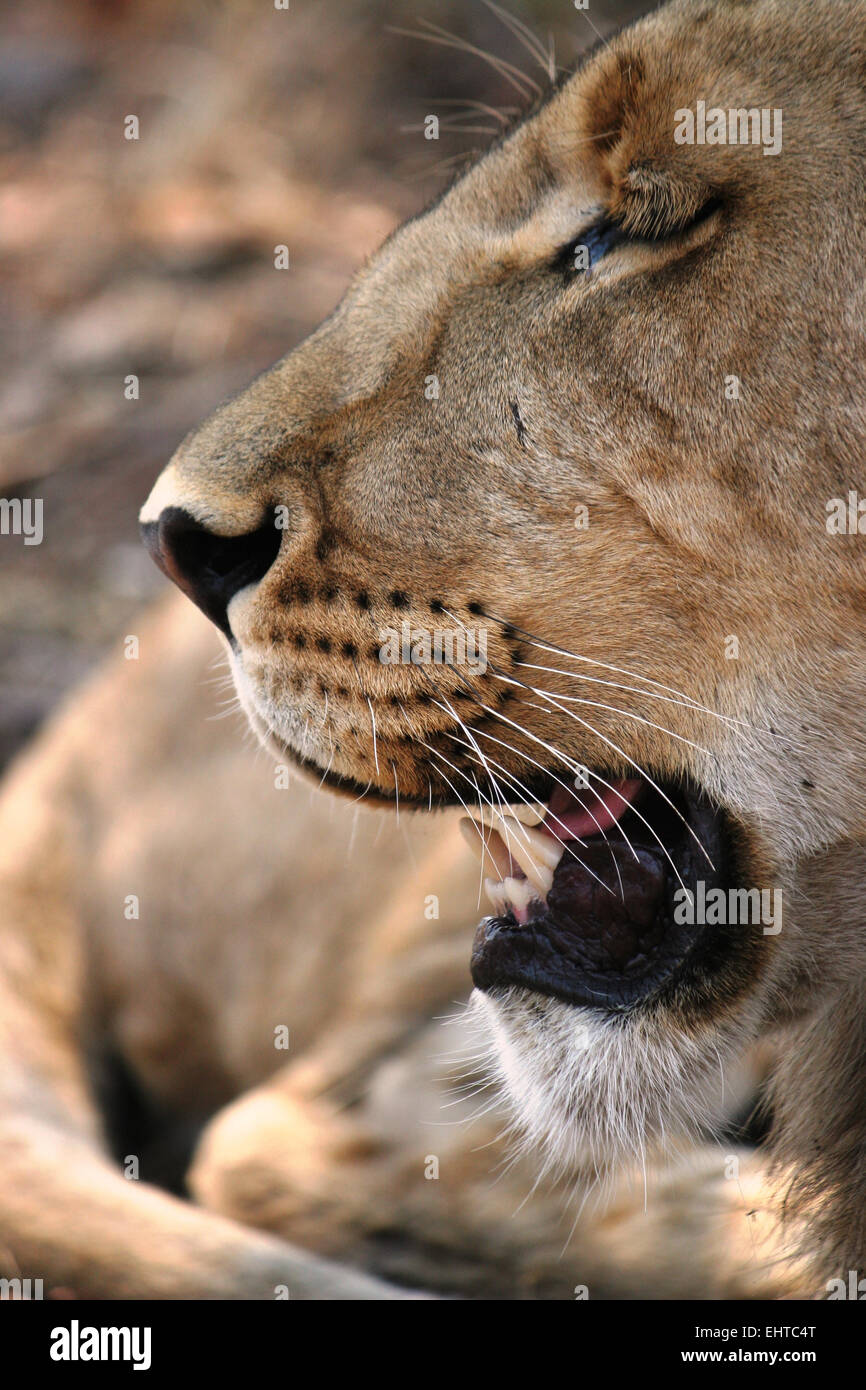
pixel 557 518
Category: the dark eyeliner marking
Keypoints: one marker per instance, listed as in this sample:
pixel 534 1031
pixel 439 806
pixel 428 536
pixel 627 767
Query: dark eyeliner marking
pixel 595 242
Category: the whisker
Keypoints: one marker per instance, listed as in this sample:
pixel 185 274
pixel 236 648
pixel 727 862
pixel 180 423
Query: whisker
pixel 460 773
pixel 503 114
pixel 686 702
pixel 618 670
pixel 523 34
pixel 486 841
pixel 572 792
pixel 500 64
pixel 364 792
pixel 442 166
pixel 561 757
pixel 233 706
pixel 582 843
pixel 447 779
pixel 480 829
pixel 567 844
pixel 517 79
pixel 631 762
pixel 452 129
pixel 327 769
pixel 615 709
pixel 449 709
pixel 373 724
pixel 515 782
pixel 497 791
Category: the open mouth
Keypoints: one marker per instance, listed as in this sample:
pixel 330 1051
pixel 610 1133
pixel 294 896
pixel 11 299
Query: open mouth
pixel 595 890
pixel 589 890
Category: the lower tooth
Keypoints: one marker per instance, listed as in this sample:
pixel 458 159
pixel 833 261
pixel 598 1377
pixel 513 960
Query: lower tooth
pixel 519 893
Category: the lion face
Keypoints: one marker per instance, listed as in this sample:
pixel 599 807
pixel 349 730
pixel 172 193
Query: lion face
pixel 536 523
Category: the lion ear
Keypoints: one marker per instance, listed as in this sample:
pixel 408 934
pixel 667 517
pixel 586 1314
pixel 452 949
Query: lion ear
pixel 653 202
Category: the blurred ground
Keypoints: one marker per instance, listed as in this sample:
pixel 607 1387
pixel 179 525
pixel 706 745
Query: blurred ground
pixel 155 257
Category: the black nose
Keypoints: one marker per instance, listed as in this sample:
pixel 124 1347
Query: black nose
pixel 210 569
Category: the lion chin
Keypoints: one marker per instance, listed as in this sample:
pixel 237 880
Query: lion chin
pixel 590 1093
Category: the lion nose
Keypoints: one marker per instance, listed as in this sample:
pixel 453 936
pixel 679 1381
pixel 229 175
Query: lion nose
pixel 210 569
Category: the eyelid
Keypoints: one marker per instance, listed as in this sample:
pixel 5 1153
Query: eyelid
pixel 605 235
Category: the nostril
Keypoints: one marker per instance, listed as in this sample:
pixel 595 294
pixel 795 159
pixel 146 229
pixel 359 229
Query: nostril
pixel 210 569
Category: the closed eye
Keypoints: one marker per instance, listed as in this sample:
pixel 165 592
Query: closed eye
pixel 604 236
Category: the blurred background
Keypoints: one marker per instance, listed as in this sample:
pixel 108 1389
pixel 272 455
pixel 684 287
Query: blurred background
pixel 154 257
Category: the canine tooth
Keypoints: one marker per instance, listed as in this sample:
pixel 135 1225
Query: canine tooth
pixel 487 816
pixel 543 848
pixel 473 835
pixel 540 875
pixel 488 846
pixel 496 896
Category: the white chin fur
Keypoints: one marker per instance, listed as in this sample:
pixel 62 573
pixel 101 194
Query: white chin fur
pixel 593 1091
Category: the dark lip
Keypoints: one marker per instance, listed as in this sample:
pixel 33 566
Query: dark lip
pixel 586 950
pixel 348 788
pixel 538 786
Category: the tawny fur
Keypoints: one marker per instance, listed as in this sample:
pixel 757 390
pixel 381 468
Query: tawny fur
pixel 706 520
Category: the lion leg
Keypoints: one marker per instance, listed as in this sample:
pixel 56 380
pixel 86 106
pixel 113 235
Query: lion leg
pixel 390 1174
pixel 67 1214
pixel 68 1217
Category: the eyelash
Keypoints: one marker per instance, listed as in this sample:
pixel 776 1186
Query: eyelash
pixel 605 236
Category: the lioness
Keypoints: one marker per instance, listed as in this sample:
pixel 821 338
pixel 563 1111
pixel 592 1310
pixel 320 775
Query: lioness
pixel 537 350
pixel 595 411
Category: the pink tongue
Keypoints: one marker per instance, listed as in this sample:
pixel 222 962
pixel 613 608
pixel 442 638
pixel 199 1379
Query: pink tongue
pixel 605 806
